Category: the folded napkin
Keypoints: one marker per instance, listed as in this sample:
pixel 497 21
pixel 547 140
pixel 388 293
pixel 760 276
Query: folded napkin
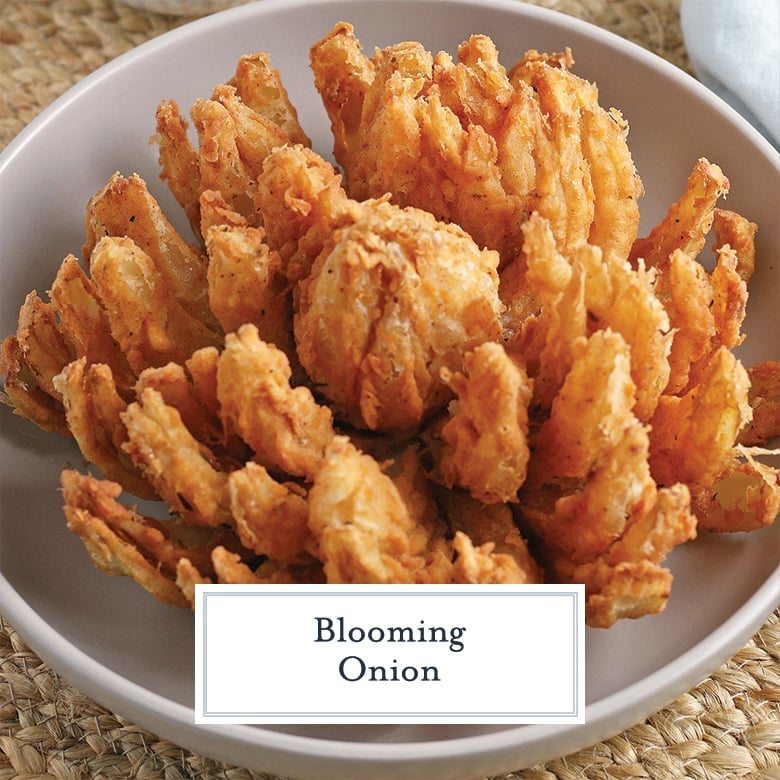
pixel 734 47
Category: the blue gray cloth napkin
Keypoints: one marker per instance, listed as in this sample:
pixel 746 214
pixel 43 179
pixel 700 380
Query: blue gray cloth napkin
pixel 734 48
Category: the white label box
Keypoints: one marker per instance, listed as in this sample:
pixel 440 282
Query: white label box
pixel 416 654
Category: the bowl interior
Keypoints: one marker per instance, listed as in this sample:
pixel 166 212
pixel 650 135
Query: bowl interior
pixel 96 627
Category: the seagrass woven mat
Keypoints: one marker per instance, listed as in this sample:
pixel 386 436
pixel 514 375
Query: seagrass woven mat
pixel 728 726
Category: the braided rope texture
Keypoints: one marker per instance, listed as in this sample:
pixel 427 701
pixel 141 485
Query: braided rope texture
pixel 726 727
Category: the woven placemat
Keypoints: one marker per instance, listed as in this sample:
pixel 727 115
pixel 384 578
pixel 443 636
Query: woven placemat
pixel 728 726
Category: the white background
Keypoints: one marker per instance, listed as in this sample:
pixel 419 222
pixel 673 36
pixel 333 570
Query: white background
pixel 522 660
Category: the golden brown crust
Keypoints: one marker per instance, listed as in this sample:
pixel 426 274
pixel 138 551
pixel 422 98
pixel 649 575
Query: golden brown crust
pixel 764 400
pixel 391 300
pixel 477 145
pixel 335 389
pixel 486 435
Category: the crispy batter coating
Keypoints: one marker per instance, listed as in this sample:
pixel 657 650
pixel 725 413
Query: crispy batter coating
pixel 587 521
pixel 260 87
pixel 688 220
pixel 30 361
pixel 432 531
pixel 589 471
pixel 220 163
pixel 656 529
pixel 202 368
pixel 215 211
pixel 342 75
pixel 486 434
pixel 483 564
pixel 560 300
pixel 523 390
pixel 176 389
pixel 693 434
pixel 287 429
pixel 706 311
pixel 93 408
pixel 270 518
pixel 625 301
pixel 300 198
pixel 361 522
pixel 179 161
pixel 545 309
pixel 391 300
pixel 590 164
pixel 191 390
pixel 233 141
pixel 743 496
pixel 83 321
pixel 764 400
pixel 126 208
pixel 175 463
pixel 627 590
pixel 590 500
pixel 729 304
pixel 476 525
pixel 127 311
pixel 255 135
pixel 146 320
pixel 476 145
pixel 21 392
pixel 236 127
pixel 628 581
pixel 123 542
pixel 187 577
pixel 245 281
pixel 590 414
pixel 685 289
pixel 230 568
pixel 42 343
pixel 739 233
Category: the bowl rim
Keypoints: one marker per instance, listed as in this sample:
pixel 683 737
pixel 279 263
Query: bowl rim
pixel 92 677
